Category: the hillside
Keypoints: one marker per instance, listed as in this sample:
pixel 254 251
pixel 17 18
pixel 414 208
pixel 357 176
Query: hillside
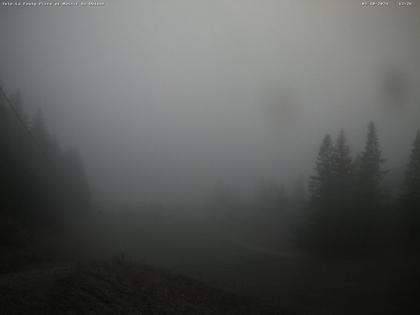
pixel 116 287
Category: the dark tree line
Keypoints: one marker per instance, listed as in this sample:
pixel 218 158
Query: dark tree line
pixel 42 187
pixel 348 203
pixel 409 206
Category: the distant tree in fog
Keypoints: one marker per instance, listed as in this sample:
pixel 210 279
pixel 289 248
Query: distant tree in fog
pixel 16 99
pixel 271 199
pixel 313 229
pixel 370 172
pixel 40 186
pixel 412 179
pixel 340 219
pixel 320 182
pixel 38 127
pixel 369 190
pixel 342 172
pixel 410 200
pixel 298 196
pixel 77 185
pixel 344 195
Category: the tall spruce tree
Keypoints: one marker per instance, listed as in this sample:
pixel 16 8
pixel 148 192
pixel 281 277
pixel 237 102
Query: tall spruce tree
pixel 340 219
pixel 320 182
pixel 341 169
pixel 370 171
pixel 342 156
pixel 314 230
pixel 369 190
pixel 411 197
pixel 412 176
pixel 329 214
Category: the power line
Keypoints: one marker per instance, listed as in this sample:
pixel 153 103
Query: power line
pixel 64 180
pixel 22 123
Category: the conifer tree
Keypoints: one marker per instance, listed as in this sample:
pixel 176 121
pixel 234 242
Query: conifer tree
pixel 340 218
pixel 319 183
pixel 314 230
pixel 369 192
pixel 370 171
pixel 342 172
pixel 410 212
pixel 412 177
pixel 329 216
pixel 342 161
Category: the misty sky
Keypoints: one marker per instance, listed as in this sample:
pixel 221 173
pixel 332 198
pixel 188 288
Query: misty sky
pixel 167 98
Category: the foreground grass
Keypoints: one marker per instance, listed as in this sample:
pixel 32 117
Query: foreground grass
pixel 116 287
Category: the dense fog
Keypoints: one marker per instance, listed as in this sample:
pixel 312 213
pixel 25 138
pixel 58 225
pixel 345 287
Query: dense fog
pixel 167 100
pixel 210 157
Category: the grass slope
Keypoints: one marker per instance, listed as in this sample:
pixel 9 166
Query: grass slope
pixel 116 287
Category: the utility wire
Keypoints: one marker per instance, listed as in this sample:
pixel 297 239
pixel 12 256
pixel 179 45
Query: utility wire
pixel 29 132
pixel 22 123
